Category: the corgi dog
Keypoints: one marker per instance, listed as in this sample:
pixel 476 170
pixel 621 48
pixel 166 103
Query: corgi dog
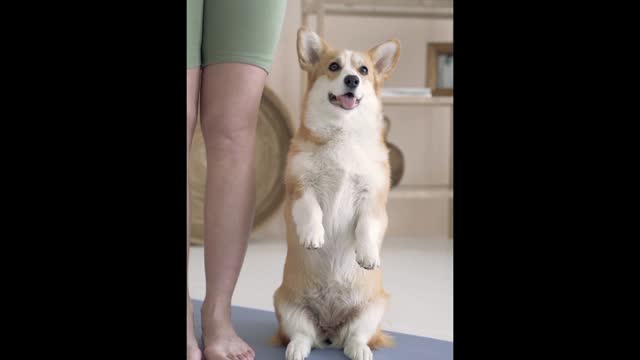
pixel 337 181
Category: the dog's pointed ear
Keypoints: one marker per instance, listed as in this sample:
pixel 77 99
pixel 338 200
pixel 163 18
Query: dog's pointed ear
pixel 310 48
pixel 385 57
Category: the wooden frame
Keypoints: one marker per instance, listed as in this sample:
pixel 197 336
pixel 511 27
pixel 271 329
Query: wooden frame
pixel 426 9
pixel 433 51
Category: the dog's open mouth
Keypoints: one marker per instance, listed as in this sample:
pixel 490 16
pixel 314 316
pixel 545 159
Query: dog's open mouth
pixel 346 101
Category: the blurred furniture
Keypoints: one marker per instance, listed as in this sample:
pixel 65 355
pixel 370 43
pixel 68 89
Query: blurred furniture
pixel 428 9
pixel 434 50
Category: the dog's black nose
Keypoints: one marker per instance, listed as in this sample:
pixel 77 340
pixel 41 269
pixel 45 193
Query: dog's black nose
pixel 351 81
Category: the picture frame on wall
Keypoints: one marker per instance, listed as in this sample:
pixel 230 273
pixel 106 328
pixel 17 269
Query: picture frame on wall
pixel 440 68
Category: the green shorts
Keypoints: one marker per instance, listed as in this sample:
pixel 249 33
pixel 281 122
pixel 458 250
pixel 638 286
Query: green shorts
pixel 223 31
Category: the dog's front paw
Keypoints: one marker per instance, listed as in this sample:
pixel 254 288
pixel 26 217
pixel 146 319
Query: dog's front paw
pixel 311 236
pixel 297 350
pixel 367 256
pixel 358 351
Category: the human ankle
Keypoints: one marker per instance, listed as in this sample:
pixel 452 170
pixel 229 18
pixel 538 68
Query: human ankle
pixel 216 311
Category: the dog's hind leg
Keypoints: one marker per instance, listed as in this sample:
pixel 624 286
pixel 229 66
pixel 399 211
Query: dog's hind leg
pixel 361 330
pixel 296 325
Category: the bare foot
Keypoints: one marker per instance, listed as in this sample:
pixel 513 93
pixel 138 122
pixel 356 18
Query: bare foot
pixel 193 351
pixel 220 339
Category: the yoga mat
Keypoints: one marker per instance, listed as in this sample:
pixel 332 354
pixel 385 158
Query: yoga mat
pixel 257 327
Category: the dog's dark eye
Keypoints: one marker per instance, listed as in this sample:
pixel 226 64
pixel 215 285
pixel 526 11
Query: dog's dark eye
pixel 364 70
pixel 334 66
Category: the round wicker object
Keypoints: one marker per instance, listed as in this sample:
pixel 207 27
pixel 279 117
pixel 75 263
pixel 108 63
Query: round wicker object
pixel 396 159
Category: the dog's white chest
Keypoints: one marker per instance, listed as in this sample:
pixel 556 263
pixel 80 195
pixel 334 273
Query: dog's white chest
pixel 341 175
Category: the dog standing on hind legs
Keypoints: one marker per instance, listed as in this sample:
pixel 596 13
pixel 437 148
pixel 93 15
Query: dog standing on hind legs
pixel 337 182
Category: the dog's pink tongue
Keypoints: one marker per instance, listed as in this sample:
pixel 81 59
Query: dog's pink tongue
pixel 347 102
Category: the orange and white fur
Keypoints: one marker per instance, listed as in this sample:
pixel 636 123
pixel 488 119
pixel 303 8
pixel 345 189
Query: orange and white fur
pixel 337 183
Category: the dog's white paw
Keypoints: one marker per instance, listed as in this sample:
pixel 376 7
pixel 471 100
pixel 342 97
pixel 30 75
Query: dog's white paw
pixel 311 236
pixel 297 350
pixel 367 256
pixel 358 351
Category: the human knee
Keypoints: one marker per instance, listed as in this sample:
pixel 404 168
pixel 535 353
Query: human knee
pixel 229 130
pixel 191 123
